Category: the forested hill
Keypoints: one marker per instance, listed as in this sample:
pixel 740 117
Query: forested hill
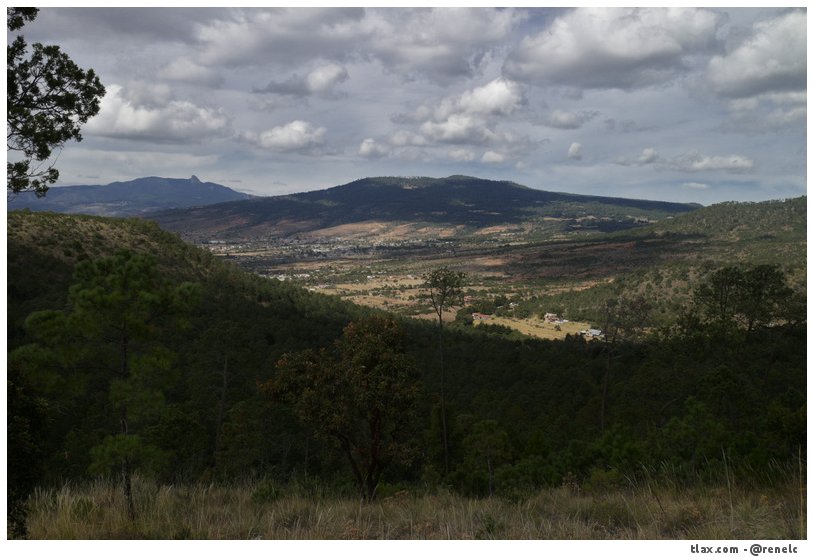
pixel 455 200
pixel 665 261
pixel 44 248
pixel 708 398
pixel 134 197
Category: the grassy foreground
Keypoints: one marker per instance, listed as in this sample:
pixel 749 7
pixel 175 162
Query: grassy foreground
pixel 259 511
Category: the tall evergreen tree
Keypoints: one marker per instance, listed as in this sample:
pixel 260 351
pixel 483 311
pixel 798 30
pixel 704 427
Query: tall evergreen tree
pixel 443 288
pixel 115 332
pixel 48 98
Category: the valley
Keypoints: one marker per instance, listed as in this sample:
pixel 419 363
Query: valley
pixel 537 268
pixel 388 274
pixel 370 242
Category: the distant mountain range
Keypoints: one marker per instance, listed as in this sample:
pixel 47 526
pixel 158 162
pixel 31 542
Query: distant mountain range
pixel 133 198
pixel 457 201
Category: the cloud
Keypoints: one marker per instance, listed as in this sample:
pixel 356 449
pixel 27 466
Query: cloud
pixel 771 59
pixel 281 36
pixel 692 161
pixel 320 81
pixel 575 151
pixel 498 97
pixel 471 117
pixel 695 186
pixel 624 126
pixel 299 136
pixel 695 162
pixel 770 112
pixel 120 24
pixel 441 44
pixel 565 120
pixel 458 128
pixel 649 155
pixel 149 114
pixel 403 138
pixel 614 48
pixel 369 148
pixel 461 155
pixel 493 158
pixel 187 71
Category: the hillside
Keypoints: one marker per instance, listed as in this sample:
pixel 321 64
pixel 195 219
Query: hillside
pixel 458 202
pixel 664 261
pixel 531 407
pixel 131 198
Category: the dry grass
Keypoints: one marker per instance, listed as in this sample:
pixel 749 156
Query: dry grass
pixel 539 328
pixel 252 511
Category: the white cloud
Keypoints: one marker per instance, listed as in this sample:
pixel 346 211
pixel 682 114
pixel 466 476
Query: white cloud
pixel 771 59
pixel 461 155
pixel 498 97
pixel 614 47
pixel 649 155
pixel 492 157
pixel 575 151
pixel 295 136
pixel 135 116
pixel 470 118
pixel 696 162
pixel 458 128
pixel 692 161
pixel 695 186
pixel 370 148
pixel 325 77
pixel 403 138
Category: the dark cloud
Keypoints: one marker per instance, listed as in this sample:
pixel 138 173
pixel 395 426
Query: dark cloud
pixel 321 81
pixel 161 24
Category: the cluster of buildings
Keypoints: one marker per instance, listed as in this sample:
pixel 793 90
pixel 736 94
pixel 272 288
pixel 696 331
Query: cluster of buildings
pixel 586 333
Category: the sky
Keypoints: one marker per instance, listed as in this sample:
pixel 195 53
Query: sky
pixel 684 104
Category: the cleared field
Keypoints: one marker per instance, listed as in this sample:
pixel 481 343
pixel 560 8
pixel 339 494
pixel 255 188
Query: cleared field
pixel 538 328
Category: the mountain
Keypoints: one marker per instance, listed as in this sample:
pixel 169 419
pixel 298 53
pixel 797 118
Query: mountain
pixel 460 201
pixel 136 197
